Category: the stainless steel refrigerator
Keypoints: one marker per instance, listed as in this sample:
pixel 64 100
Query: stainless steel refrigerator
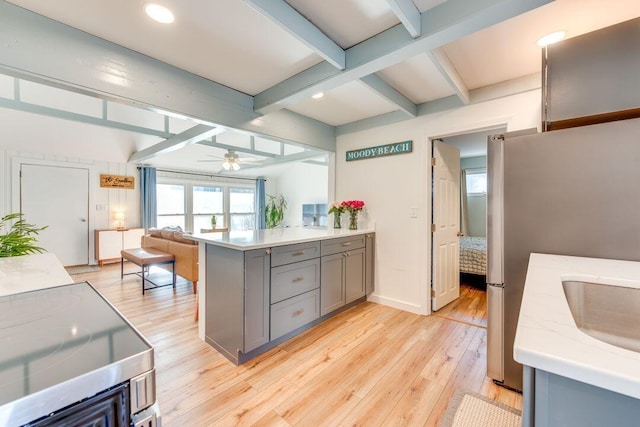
pixel 568 192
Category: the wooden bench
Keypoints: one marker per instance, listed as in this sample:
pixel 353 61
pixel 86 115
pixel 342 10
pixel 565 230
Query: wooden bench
pixel 144 258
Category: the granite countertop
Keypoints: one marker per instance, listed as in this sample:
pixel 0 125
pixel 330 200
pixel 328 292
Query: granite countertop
pixel 29 272
pixel 247 240
pixel 547 337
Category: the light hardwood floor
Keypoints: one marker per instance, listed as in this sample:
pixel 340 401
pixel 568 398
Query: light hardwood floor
pixel 369 366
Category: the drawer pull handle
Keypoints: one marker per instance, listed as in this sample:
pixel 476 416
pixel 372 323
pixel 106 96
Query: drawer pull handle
pixel 297 253
pixel 346 244
pixel 298 312
pixel 298 279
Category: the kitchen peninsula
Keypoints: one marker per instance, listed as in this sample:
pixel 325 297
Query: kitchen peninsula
pixel 572 378
pixel 263 287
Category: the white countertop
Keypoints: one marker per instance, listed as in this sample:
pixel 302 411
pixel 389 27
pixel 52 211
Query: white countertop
pixel 29 272
pixel 247 240
pixel 547 337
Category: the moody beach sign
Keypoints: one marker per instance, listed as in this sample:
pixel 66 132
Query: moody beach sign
pixel 380 151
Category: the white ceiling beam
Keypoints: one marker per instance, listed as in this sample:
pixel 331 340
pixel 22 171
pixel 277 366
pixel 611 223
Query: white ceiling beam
pixel 76 117
pixel 214 144
pixel 40 49
pixel 408 14
pixel 188 137
pixel 440 59
pixel 487 93
pixel 290 20
pixel 389 93
pixel 442 24
pixel 296 157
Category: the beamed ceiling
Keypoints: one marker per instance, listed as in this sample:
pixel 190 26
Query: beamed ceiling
pixel 241 74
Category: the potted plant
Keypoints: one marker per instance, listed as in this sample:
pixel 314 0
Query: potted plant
pixel 20 238
pixel 274 210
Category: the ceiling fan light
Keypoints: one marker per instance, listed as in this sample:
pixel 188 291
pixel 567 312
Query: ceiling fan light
pixel 226 165
pixel 235 166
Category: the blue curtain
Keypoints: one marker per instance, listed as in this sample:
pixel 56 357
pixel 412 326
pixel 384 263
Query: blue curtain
pixel 260 203
pixel 148 199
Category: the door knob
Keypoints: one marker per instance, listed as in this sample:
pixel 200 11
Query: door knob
pixel 83 220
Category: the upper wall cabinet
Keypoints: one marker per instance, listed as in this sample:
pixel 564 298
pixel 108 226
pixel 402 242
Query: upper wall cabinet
pixel 596 74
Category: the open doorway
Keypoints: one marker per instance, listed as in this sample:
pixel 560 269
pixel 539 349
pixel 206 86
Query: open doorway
pixel 470 305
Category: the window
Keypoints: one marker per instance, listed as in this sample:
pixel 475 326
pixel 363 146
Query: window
pixel 476 181
pixel 242 209
pixel 207 201
pixel 170 205
pixel 192 204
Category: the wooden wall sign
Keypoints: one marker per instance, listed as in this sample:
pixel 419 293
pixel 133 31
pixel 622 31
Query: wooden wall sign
pixel 380 151
pixel 116 181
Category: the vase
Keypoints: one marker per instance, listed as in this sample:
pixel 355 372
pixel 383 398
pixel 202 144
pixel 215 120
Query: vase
pixel 337 220
pixel 353 220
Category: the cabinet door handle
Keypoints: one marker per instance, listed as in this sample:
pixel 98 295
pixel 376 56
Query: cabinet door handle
pixel 298 279
pixel 297 253
pixel 347 254
pixel 268 251
pixel 346 244
pixel 298 312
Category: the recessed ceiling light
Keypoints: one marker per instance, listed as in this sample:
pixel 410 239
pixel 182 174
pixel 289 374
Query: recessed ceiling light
pixel 318 95
pixel 159 13
pixel 551 38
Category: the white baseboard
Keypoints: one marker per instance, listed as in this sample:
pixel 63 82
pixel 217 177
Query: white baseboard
pixel 400 305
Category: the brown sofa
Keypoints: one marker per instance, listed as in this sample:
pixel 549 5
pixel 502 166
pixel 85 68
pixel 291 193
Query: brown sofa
pixel 184 250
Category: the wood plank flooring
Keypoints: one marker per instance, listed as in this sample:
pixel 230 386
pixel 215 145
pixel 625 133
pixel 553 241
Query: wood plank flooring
pixel 369 366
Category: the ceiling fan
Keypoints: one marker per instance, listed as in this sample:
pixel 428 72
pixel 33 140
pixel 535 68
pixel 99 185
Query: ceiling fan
pixel 230 161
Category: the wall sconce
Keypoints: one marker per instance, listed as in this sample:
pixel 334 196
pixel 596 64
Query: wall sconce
pixel 119 216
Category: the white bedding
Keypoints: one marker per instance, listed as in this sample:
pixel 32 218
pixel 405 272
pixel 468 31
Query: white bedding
pixel 473 255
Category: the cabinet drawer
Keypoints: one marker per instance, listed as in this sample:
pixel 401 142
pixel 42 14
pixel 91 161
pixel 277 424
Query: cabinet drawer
pixel 294 279
pixel 292 313
pixel 342 244
pixel 281 255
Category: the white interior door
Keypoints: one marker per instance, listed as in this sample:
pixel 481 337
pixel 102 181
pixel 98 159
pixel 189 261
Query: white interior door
pixel 446 219
pixel 59 198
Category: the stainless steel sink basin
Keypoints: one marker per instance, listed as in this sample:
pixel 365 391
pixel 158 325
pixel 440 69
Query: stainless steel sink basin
pixel 608 313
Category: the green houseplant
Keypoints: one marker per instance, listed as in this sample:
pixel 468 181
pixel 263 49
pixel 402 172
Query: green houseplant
pixel 274 210
pixel 20 239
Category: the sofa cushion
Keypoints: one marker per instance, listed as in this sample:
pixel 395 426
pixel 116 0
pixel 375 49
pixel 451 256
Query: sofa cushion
pixel 178 236
pixel 155 232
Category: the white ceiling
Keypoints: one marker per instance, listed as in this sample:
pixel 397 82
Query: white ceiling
pixel 230 42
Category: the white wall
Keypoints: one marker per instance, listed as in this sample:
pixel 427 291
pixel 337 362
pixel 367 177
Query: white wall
pixel 393 186
pixel 103 202
pixel 299 183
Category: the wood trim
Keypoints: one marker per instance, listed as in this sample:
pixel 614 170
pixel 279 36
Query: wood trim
pixel 613 116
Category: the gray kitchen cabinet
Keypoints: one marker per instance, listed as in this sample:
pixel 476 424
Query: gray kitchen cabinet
pixel 342 272
pixel 369 263
pixel 293 313
pixel 554 400
pixel 237 300
pixel 331 283
pixel 295 294
pixel 256 299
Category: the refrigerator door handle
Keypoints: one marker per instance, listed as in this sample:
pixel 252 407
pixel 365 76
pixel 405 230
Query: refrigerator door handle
pixel 495 209
pixel 495 331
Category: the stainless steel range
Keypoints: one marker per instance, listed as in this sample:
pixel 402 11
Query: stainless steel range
pixel 68 357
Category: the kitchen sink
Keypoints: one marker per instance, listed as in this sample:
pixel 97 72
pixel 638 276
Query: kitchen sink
pixel 607 313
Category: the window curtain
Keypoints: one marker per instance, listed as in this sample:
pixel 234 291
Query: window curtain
pixel 260 204
pixel 148 198
pixel 464 214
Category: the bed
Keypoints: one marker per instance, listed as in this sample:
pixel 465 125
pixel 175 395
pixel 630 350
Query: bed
pixel 473 255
